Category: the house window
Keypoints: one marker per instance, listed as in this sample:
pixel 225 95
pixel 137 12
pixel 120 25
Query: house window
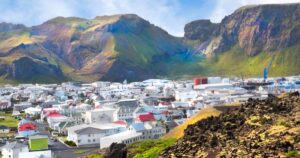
pixel 94 140
pixel 79 140
pixel 89 140
pixel 89 135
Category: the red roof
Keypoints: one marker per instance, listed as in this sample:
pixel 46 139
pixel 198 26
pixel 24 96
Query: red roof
pixel 54 114
pixel 120 122
pixel 146 117
pixel 165 112
pixel 27 126
pixel 165 103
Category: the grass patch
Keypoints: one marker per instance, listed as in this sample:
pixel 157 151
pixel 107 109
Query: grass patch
pixel 9 120
pixel 95 156
pixel 149 148
pixel 178 131
pixel 81 151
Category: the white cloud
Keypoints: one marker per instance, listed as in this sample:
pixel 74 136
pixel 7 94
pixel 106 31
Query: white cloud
pixel 226 7
pixel 31 12
pixel 168 14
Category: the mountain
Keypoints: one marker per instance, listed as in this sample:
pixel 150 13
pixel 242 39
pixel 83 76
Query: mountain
pixel 258 128
pixel 251 38
pixel 111 48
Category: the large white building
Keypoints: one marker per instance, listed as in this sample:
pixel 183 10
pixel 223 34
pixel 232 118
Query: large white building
pixel 89 135
pixel 12 150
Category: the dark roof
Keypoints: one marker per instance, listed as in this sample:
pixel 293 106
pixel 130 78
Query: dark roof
pixel 3 127
pixel 89 130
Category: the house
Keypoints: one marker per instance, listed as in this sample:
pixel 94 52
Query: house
pixel 4 129
pixel 178 104
pixel 145 117
pixel 125 109
pixel 103 115
pixel 61 127
pixel 54 118
pixel 4 104
pixel 36 154
pixel 22 106
pixel 33 111
pixel 26 128
pixel 149 130
pixel 38 142
pixel 126 137
pixel 13 149
pixel 89 135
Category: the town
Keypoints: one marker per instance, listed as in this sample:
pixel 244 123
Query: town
pixel 75 119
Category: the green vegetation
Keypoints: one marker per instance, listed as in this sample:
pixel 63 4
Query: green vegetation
pixel 236 62
pixel 149 148
pixel 81 151
pixel 70 143
pixel 38 144
pixel 292 154
pixel 95 156
pixel 285 124
pixel 9 120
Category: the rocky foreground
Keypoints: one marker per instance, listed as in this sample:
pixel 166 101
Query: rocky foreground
pixel 267 128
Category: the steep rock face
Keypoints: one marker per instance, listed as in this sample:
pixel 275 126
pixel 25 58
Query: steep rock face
pixel 29 70
pixel 256 29
pixel 200 30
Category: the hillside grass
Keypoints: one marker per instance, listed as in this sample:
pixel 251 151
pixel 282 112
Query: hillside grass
pixel 235 62
pixel 149 148
pixel 178 131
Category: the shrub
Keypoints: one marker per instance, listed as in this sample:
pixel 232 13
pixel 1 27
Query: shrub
pixel 297 139
pixel 70 143
pixel 285 124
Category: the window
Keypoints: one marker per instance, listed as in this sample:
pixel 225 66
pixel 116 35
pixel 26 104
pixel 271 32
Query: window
pixel 94 140
pixel 79 140
pixel 89 140
pixel 89 135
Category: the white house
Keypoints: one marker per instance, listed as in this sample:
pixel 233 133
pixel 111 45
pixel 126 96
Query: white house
pixel 89 135
pixel 12 150
pixel 33 111
pixel 36 154
pixel 125 109
pixel 103 115
pixel 126 137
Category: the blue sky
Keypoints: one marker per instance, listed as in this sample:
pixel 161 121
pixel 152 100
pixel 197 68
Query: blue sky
pixel 171 15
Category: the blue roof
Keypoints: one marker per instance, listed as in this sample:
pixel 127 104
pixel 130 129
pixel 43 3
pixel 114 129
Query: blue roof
pixel 138 126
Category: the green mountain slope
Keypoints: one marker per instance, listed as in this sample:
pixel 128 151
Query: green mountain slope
pixel 111 48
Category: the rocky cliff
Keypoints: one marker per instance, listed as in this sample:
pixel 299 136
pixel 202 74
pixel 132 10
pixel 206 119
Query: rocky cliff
pixel 255 29
pixel 267 128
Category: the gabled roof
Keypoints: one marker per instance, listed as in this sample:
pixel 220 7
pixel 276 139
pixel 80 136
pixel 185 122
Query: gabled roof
pixel 138 127
pixel 54 114
pixel 120 122
pixel 146 117
pixel 89 130
pixel 27 126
